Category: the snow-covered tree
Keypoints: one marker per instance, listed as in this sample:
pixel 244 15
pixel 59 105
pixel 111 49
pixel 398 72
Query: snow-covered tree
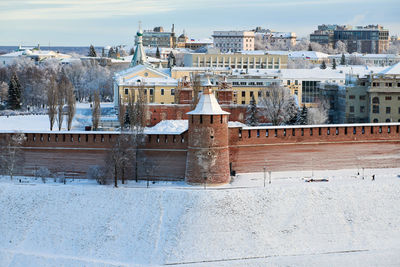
pixel 99 174
pixel 303 116
pixel 318 115
pixel 52 101
pixel 334 64
pixel 14 93
pixel 71 105
pixel 251 113
pixel 96 111
pixel 3 91
pixel 343 60
pixel 341 47
pixel 158 53
pixel 275 105
pixel 323 65
pixel 11 158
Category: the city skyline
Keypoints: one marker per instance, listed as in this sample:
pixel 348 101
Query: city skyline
pixel 108 22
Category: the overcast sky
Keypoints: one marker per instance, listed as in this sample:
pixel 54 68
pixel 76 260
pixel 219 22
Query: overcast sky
pixel 112 22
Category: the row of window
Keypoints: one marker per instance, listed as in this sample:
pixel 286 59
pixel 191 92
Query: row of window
pixel 63 138
pixel 247 83
pixel 387 84
pixel 375 109
pixel 151 91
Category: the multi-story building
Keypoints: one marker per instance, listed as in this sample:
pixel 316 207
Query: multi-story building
pixel 384 95
pixel 244 60
pixel 374 97
pixel 195 44
pixel 372 39
pixel 234 41
pixel 324 34
pixel 159 38
pixel 357 99
pixel 333 96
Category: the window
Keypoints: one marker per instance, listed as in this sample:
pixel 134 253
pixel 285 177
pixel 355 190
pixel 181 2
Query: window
pixel 387 110
pixel 243 93
pixel 375 84
pixel 352 97
pixel 251 93
pixel 388 98
pixel 362 97
pixel 126 91
pixel 243 83
pixel 351 108
pixel 151 91
pixel 375 120
pixel 296 82
pixel 259 93
pixel 362 109
pixel 288 82
pixel 387 120
pixel 243 102
pixel 375 109
pixel 296 92
pixel 162 91
pixel 388 84
pixel 375 100
pixel 172 91
pixel 260 83
pixel 398 84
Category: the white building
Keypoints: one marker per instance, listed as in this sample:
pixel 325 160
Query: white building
pixel 34 54
pixel 234 41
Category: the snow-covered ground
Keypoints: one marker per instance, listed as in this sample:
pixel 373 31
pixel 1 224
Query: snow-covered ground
pixel 346 221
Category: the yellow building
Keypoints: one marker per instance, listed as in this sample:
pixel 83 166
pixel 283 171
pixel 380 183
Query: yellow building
pixel 245 60
pixel 384 95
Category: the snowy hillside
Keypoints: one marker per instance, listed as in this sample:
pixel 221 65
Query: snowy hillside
pixel 345 221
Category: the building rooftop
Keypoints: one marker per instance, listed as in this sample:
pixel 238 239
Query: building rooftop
pixel 208 105
pixel 395 69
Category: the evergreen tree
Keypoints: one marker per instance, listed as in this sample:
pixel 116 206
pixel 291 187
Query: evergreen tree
pixel 303 116
pixel 92 51
pixel 343 60
pixel 251 113
pixel 158 53
pixel 334 64
pixel 111 53
pixel 323 65
pixel 309 47
pixel 132 51
pixel 14 93
pixel 127 120
pixel 293 113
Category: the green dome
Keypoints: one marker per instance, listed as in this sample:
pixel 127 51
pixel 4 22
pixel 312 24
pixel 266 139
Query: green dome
pixel 139 34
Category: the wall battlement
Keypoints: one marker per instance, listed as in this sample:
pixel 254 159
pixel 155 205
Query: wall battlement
pixel 165 156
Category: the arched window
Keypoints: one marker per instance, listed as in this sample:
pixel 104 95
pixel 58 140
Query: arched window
pixel 387 120
pixel 375 120
pixel 162 91
pixel 375 100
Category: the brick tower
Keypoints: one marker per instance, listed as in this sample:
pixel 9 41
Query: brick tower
pixel 208 151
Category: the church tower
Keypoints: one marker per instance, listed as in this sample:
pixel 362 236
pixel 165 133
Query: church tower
pixel 208 150
pixel 139 58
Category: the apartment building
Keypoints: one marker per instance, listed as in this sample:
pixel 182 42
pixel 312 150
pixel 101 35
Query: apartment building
pixel 244 60
pixel 159 38
pixel 234 41
pixel 384 95
pixel 371 39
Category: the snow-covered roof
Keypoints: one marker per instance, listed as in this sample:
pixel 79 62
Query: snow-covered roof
pixel 272 127
pixel 168 127
pixel 395 69
pixel 283 34
pixel 208 105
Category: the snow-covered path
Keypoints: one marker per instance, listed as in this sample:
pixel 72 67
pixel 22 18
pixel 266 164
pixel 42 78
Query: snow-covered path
pixel 345 221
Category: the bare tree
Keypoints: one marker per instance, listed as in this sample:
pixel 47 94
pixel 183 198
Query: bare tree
pixel 121 114
pixel 11 157
pixel 276 104
pixel 71 102
pixel 60 107
pixel 3 91
pixel 318 115
pixel 341 47
pixel 96 111
pixel 196 89
pixel 52 101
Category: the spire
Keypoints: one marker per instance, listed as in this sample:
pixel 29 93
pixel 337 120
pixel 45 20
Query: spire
pixel 139 58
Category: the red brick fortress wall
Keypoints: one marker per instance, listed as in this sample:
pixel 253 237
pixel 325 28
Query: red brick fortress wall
pixel 319 147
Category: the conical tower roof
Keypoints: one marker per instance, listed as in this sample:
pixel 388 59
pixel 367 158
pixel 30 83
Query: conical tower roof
pixel 139 58
pixel 208 104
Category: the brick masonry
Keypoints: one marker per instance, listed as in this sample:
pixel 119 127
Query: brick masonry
pixel 165 157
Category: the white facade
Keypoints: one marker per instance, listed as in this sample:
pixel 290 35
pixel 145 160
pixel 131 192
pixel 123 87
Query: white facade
pixel 234 41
